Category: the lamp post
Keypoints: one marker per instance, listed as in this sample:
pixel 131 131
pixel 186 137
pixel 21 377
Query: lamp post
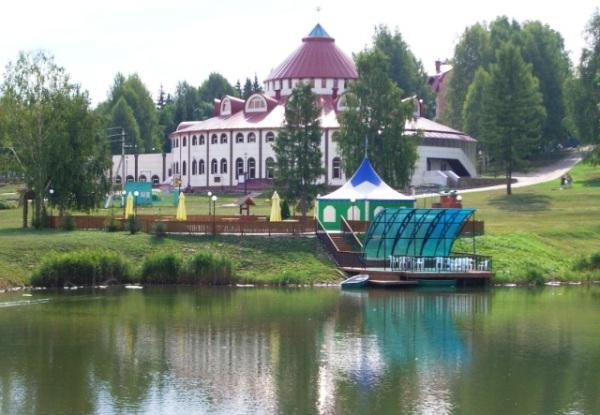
pixel 135 196
pixel 209 195
pixel 214 213
pixel 123 200
pixel 245 173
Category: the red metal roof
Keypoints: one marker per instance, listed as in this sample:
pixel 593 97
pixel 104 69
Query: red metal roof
pixel 317 57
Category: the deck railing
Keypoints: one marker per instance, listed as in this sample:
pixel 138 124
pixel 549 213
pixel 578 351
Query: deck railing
pixel 341 258
pixel 455 263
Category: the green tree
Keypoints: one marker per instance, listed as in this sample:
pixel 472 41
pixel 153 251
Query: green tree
pixel 584 89
pixel 473 111
pixel 374 109
pixel 472 51
pixel 215 87
pixel 247 91
pixel 544 49
pixel 297 149
pixel 187 104
pixel 238 89
pixel 513 112
pixel 122 116
pixel 404 68
pixel 54 133
pixel 256 87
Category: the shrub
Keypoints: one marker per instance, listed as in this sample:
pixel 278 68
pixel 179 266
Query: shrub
pixel 590 263
pixel 285 210
pixel 159 229
pixel 534 276
pixel 111 224
pixel 6 205
pixel 161 268
pixel 133 224
pixel 206 268
pixel 81 268
pixel 68 222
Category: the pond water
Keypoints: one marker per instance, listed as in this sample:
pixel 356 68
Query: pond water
pixel 301 351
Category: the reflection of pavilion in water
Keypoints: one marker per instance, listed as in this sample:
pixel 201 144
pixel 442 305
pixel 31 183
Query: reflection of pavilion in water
pixel 408 340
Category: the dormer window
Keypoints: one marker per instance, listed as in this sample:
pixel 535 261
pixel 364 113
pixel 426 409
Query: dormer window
pixel 226 107
pixel 256 104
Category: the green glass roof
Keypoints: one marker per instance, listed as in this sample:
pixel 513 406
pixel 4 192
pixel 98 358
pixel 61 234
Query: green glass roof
pixel 414 232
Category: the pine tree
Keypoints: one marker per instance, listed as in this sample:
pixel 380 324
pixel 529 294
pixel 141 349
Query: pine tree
pixel 513 112
pixel 161 98
pixel 238 88
pixel 374 109
pixel 297 149
pixel 247 91
pixel 256 85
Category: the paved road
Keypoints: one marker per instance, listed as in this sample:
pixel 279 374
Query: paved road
pixel 542 175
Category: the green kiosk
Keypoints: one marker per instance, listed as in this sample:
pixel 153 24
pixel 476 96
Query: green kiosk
pixel 361 198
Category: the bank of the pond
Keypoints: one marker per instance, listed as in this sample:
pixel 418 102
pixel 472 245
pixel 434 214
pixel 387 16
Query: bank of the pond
pixel 540 233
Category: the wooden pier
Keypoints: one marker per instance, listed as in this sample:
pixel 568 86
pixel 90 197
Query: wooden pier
pixel 387 277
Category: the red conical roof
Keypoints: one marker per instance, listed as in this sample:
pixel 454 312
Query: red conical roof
pixel 317 57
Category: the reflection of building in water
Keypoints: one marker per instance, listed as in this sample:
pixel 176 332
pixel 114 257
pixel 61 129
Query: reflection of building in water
pixel 410 338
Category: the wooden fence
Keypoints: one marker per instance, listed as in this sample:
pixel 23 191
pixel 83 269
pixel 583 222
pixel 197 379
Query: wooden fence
pixel 201 224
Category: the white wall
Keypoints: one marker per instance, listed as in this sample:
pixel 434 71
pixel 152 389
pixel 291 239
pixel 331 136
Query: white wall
pixel 424 152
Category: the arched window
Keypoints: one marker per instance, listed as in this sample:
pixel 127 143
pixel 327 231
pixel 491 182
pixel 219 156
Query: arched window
pixel 201 167
pixel 353 213
pixel 223 166
pixel 201 141
pixel 251 168
pixel 184 168
pixel 223 138
pixel 184 141
pixel 252 138
pixel 118 180
pixel 239 167
pixel 177 168
pixel 130 178
pixel 194 167
pixel 155 179
pixel 225 107
pixel 142 178
pixel 169 172
pixel 194 140
pixel 256 104
pixel 214 166
pixel 270 137
pixel 214 139
pixel 378 210
pixel 176 142
pixel 270 168
pixel 336 168
pixel 239 138
pixel 329 214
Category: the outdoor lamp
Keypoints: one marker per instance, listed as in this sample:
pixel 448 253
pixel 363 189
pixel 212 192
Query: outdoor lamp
pixel 209 193
pixel 136 193
pixel 459 198
pixel 214 198
pixel 51 191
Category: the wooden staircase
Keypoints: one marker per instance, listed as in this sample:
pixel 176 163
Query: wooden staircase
pixel 338 247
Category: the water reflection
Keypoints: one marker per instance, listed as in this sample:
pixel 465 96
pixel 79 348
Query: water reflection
pixel 301 351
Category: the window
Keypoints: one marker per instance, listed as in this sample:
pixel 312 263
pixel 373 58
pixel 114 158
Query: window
pixel 118 180
pixel 289 84
pixel 214 139
pixel 252 138
pixel 270 167
pixel 251 168
pixel 194 168
pixel 184 141
pixel 329 214
pixel 177 168
pixel 201 141
pixel 225 107
pixel 169 172
pixel 184 168
pixel 142 178
pixel 239 138
pixel 270 137
pixel 130 178
pixel 201 167
pixel 176 142
pixel 256 104
pixel 214 166
pixel 223 166
pixel 239 167
pixel 194 140
pixel 155 179
pixel 223 138
pixel 336 170
pixel 323 82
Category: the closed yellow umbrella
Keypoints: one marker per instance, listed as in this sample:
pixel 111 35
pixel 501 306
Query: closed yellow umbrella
pixel 181 212
pixel 129 206
pixel 275 208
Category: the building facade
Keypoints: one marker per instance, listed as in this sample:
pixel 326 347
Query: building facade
pixel 236 144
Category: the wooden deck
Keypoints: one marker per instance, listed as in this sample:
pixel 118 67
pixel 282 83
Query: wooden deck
pixel 382 276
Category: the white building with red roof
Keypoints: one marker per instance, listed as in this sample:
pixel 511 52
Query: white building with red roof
pixel 237 142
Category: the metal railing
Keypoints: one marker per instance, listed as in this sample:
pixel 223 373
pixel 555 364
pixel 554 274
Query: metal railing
pixel 341 258
pixel 456 263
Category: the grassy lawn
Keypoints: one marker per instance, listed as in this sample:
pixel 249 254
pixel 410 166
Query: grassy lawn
pixel 539 231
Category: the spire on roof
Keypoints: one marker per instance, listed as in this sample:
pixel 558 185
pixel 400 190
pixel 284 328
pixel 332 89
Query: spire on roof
pixel 365 173
pixel 318 31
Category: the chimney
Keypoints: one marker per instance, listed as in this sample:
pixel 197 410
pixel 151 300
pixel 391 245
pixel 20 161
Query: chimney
pixel 438 66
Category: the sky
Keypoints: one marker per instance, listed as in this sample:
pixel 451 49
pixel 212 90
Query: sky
pixel 170 41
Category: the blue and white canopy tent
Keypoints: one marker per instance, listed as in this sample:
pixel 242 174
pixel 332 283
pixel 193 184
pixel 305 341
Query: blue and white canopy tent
pixel 361 198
